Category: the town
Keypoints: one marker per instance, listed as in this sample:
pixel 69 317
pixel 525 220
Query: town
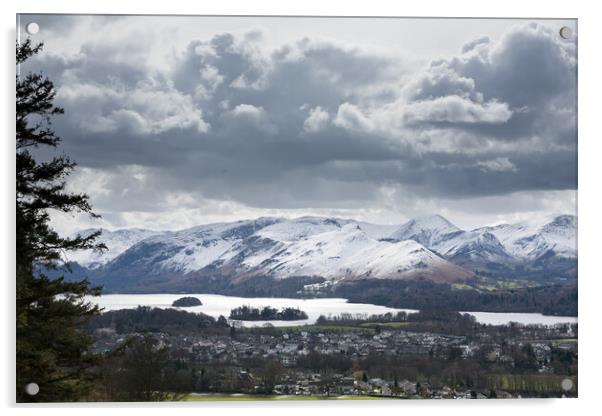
pixel 424 355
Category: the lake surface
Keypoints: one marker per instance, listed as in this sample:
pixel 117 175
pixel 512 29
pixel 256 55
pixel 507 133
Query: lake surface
pixel 503 318
pixel 216 305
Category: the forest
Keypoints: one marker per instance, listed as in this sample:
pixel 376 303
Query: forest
pixel 557 299
pixel 144 319
pixel 267 313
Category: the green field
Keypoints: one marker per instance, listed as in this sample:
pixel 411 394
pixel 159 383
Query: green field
pixel 311 328
pixel 490 284
pixel 533 383
pixel 253 397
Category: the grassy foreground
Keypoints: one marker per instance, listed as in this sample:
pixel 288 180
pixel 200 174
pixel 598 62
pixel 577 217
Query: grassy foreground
pixel 254 397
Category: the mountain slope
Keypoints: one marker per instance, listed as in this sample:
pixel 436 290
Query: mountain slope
pixel 428 231
pixel 116 241
pixel 348 252
pixel 326 248
pixel 472 249
pixel 214 256
pixel 545 248
pixel 532 239
pixel 475 250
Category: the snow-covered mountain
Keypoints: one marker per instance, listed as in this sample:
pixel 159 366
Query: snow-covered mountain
pixel 327 248
pixel 472 249
pixel 535 238
pixel 540 247
pixel 347 251
pixel 428 231
pixel 116 241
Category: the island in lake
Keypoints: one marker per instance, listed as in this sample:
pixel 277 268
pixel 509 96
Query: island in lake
pixel 187 301
pixel 248 313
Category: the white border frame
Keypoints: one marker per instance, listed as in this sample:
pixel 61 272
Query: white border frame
pixel 590 31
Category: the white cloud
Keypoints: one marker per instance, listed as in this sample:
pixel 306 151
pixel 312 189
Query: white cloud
pixel 225 117
pixel 249 111
pixel 455 109
pixel 316 120
pixel 500 164
pixel 146 110
pixel 350 116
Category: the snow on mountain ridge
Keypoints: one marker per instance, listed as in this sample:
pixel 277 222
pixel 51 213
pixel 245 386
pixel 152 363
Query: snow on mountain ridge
pixel 532 239
pixel 348 251
pixel 427 231
pixel 333 248
pixel 116 241
pixel 299 228
pixel 474 249
pixel 200 246
pixel 308 246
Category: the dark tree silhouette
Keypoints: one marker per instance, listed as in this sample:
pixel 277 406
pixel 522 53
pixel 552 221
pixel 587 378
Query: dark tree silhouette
pixel 270 376
pixel 142 370
pixel 51 350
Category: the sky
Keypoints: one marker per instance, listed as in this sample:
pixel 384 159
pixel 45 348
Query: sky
pixel 179 121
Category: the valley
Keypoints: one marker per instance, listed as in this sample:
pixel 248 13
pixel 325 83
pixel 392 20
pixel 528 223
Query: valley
pixel 422 264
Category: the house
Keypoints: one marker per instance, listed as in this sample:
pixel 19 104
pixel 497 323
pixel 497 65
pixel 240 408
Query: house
pixel 288 361
pixel 407 387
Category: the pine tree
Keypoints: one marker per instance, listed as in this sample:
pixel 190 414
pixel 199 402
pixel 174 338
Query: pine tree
pixel 51 351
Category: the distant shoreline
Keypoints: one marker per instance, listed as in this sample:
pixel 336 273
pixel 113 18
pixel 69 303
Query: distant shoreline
pixel 487 317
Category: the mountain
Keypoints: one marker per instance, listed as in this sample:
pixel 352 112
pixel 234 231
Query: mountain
pixel 279 252
pixel 428 231
pixel 475 250
pixel 541 248
pixel 536 238
pixel 116 241
pixel 274 248
pixel 471 249
pixel 545 246
pixel 347 251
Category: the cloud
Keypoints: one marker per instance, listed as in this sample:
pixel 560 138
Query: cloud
pixel 248 111
pixel 316 120
pixel 472 44
pixel 313 124
pixel 145 110
pixel 500 164
pixel 350 117
pixel 439 80
pixel 455 109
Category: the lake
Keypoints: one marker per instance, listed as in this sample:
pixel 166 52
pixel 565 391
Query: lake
pixel 216 305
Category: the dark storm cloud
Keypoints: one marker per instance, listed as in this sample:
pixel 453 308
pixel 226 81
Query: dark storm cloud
pixel 315 123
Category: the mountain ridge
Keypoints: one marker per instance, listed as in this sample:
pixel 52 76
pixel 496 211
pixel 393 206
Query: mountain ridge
pixel 328 248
